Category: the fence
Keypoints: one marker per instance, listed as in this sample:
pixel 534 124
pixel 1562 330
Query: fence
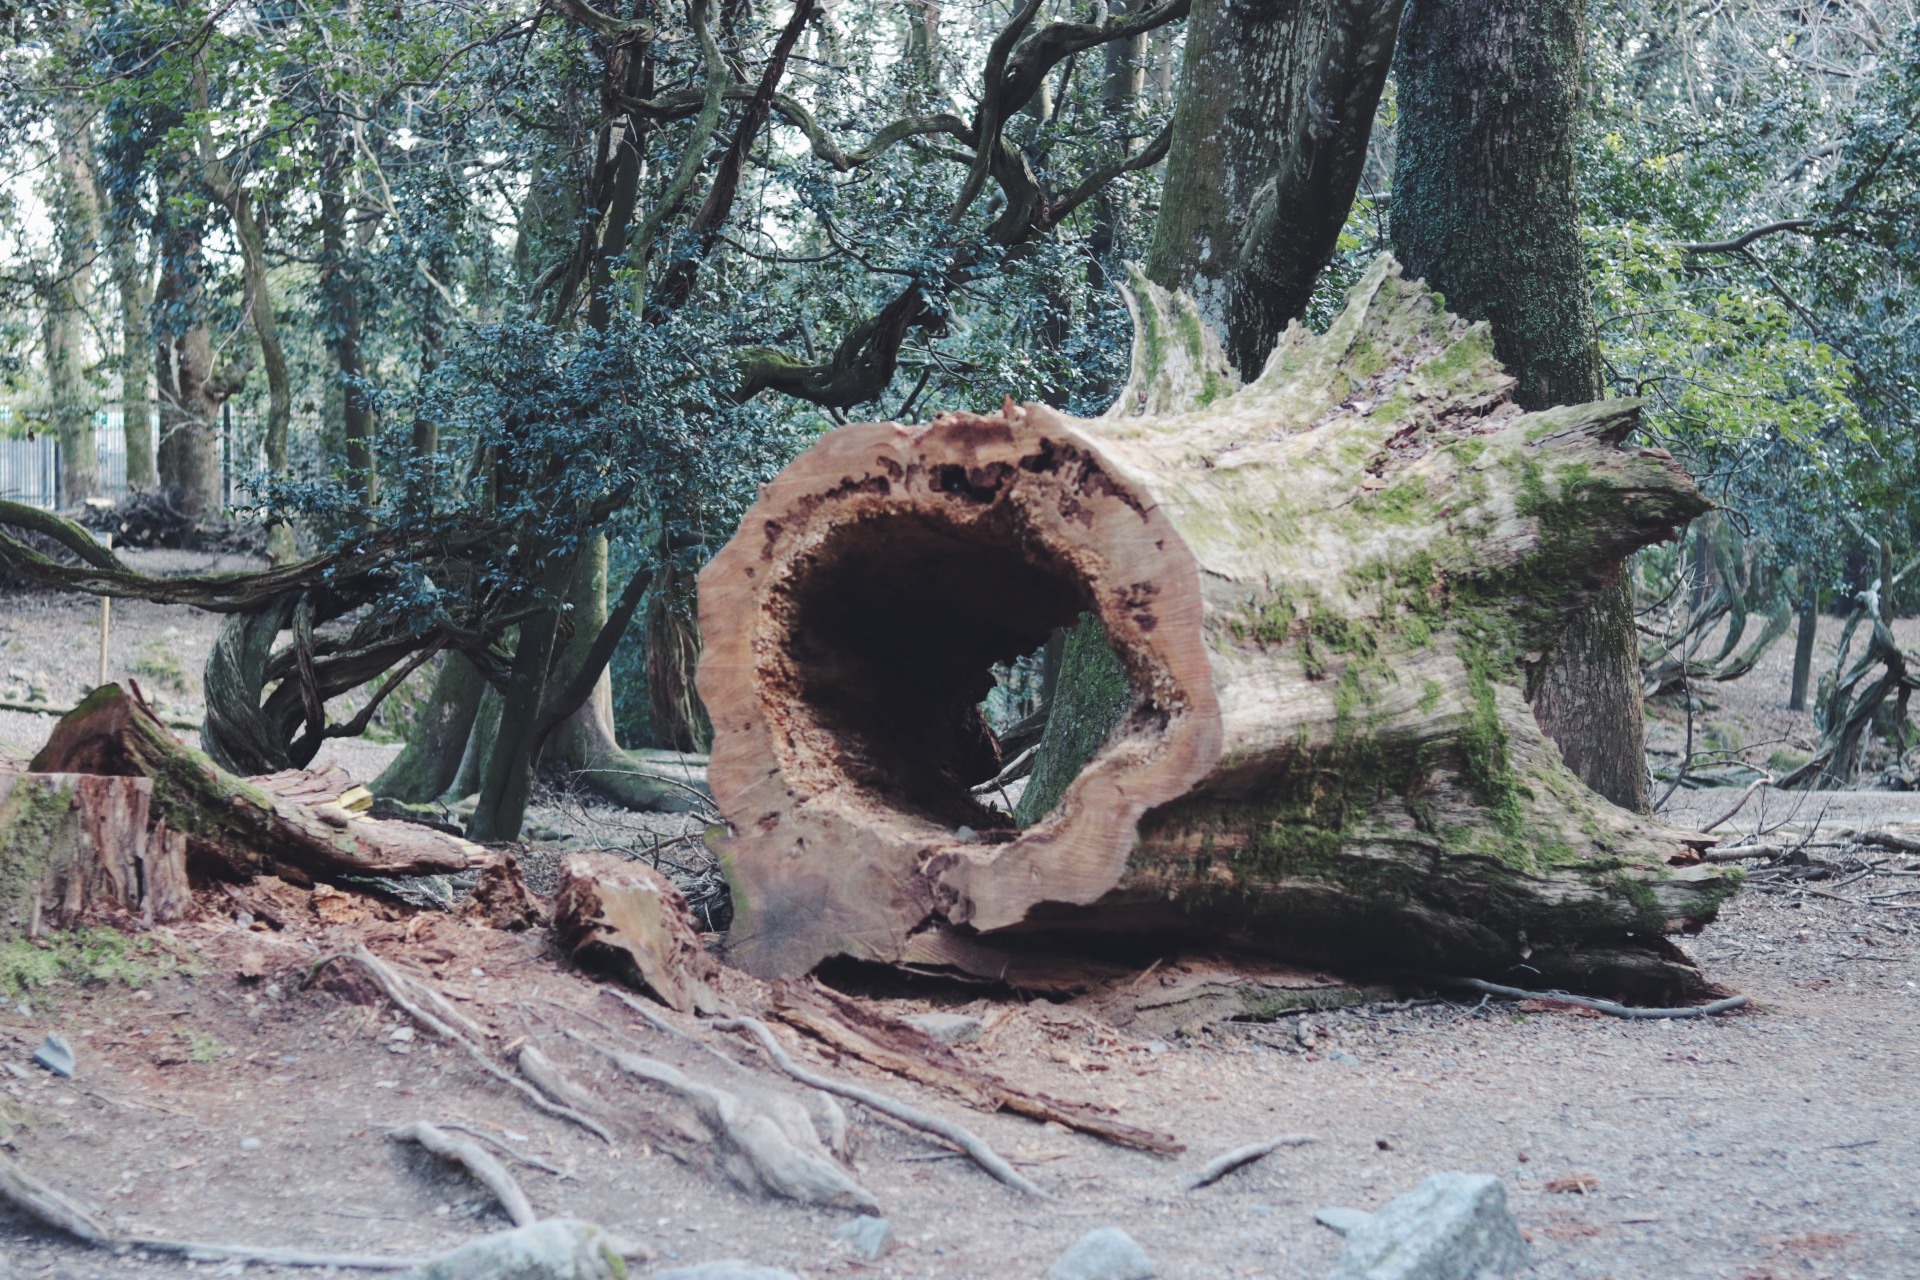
pixel 30 469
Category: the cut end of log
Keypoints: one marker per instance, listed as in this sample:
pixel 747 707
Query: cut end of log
pixel 1325 590
pixel 851 625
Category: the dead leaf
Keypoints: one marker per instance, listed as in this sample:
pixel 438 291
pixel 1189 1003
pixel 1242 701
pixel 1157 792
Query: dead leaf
pixel 1575 1184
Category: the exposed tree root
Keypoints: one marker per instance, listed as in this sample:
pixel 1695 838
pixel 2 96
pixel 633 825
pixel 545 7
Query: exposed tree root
pixel 777 1145
pixel 892 1045
pixel 1608 1007
pixel 408 995
pixel 478 1163
pixel 54 1209
pixel 828 1116
pixel 983 1155
pixel 1238 1158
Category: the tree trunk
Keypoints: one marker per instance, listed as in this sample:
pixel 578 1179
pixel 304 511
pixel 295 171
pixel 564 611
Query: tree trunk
pixel 430 762
pixel 1270 134
pixel 1324 590
pixel 76 217
pixel 292 825
pixel 1484 210
pixel 188 455
pixel 584 744
pixel 1809 610
pixel 133 285
pixel 340 319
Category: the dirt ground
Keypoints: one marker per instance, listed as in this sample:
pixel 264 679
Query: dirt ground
pixel 1781 1141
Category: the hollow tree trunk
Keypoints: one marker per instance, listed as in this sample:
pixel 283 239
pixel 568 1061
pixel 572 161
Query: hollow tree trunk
pixel 1324 590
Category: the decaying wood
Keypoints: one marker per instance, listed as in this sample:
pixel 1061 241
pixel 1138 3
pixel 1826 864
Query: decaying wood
pixel 74 846
pixel 775 1147
pixel 1325 593
pixel 410 997
pixel 857 1028
pixel 621 915
pixel 1239 1158
pixel 971 1143
pixel 290 824
pixel 479 1164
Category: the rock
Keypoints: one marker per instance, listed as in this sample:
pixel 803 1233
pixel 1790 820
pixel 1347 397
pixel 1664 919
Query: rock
pixel 56 1055
pixel 868 1237
pixel 1453 1226
pixel 1106 1254
pixel 948 1028
pixel 627 917
pixel 557 1249
pixel 731 1269
pixel 1341 1220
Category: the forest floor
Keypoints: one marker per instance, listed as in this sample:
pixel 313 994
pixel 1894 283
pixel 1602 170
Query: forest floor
pixel 217 1099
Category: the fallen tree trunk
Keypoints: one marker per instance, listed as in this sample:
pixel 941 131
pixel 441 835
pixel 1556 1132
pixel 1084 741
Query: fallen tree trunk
pixel 1324 593
pixel 291 824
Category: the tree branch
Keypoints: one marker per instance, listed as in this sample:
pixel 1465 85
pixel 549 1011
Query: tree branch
pixel 1740 242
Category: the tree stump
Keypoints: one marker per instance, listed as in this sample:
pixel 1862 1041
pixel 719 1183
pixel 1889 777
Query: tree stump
pixel 74 846
pixel 1324 593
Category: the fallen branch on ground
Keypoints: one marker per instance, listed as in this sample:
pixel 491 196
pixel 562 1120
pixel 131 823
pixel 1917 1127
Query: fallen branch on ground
pixel 478 1163
pixel 983 1155
pixel 1588 1002
pixel 400 989
pixel 1222 1165
pixel 779 1145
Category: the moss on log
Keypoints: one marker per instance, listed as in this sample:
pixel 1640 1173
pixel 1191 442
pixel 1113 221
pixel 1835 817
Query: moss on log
pixel 289 824
pixel 1327 589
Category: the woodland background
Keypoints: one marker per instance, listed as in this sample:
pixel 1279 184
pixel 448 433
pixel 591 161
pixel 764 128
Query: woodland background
pixel 522 301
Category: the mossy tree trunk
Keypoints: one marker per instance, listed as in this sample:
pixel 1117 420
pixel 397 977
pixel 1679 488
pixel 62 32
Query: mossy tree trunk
pixel 1484 210
pixel 1326 590
pixel 1270 132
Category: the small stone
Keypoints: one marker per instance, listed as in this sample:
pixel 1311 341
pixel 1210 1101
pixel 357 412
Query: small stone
pixel 249 1144
pixel 1341 1220
pixel 868 1237
pixel 56 1055
pixel 1453 1226
pixel 729 1269
pixel 402 1034
pixel 948 1028
pixel 1105 1254
pixel 1339 1055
